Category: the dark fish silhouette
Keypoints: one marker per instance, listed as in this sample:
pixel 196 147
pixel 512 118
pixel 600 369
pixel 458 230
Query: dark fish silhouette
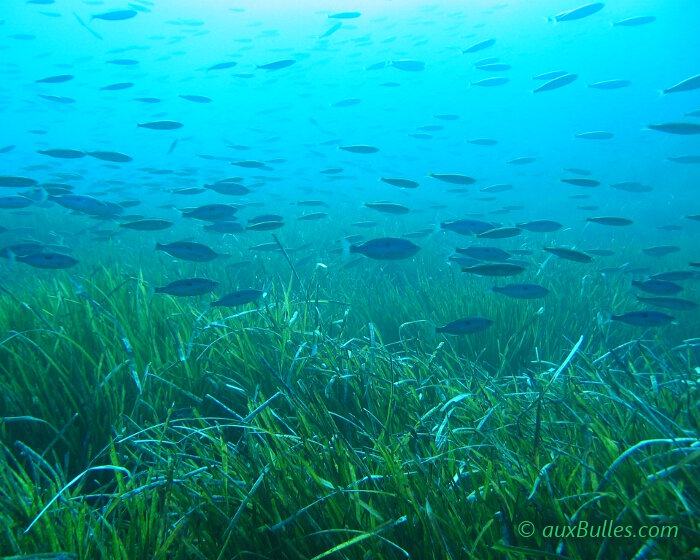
pixel 241 297
pixel 480 46
pixel 277 65
pixel 644 318
pixel 116 15
pixel 47 260
pixel 386 248
pixel 188 287
pixel 188 250
pixel 161 125
pixel 580 12
pixel 556 83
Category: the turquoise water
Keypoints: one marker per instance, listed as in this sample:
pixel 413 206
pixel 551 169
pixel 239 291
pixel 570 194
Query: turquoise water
pixel 392 159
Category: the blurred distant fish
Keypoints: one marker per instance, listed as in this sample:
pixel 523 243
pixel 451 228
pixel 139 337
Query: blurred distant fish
pixel 688 84
pixel 480 46
pixel 87 205
pixel 188 191
pixel 677 128
pixel 62 154
pixel 313 216
pixel 556 83
pixel 644 318
pixel 14 202
pixel 491 82
pixel 225 227
pixel 265 226
pixel 467 227
pixel 388 207
pixel 117 87
pixel 47 260
pixel 582 182
pixel 402 183
pixel 454 178
pixel 580 12
pixel 312 203
pixel 188 250
pixel 346 102
pixel 499 233
pixel 331 30
pixel 386 248
pixel 266 218
pixel 211 212
pixel 546 76
pixel 20 249
pixel 18 182
pixel 188 287
pixel 577 171
pixel 661 250
pixel 540 226
pixel 55 79
pixel 502 187
pixel 58 99
pixel 195 98
pixel 669 302
pixel 228 188
pixel 147 225
pixel 277 65
pixel 631 186
pixel 493 254
pixel 241 297
pixel 161 125
pixel 634 21
pixel 483 141
pixel 408 65
pixel 467 325
pixel 522 291
pixel 123 62
pixel 115 15
pixel 222 66
pixel 345 15
pixel 610 221
pixel 521 160
pixel 115 157
pixel 360 149
pixel 569 254
pixel 685 159
pixel 594 135
pixel 657 287
pixel 494 67
pixel 6 149
pixel 496 269
pixel 610 84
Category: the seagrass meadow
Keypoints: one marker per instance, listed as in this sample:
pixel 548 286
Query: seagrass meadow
pixel 380 280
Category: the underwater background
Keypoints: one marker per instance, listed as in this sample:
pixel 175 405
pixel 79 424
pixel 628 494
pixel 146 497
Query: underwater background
pixel 363 279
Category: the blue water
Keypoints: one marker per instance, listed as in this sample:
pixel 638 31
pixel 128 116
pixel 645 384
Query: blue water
pixel 289 121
